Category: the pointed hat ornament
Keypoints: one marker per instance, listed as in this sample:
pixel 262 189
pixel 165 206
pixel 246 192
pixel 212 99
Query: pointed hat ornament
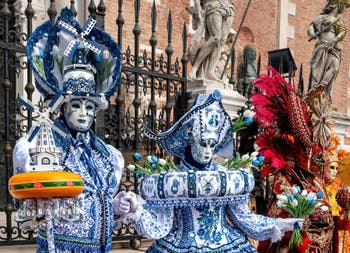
pixel 71 61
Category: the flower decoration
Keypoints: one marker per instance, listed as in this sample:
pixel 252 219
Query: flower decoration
pixel 243 121
pixel 300 204
pixel 244 161
pixel 38 54
pixel 58 59
pixel 152 165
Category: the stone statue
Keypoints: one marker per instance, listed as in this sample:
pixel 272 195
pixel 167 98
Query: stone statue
pixel 225 54
pixel 247 73
pixel 214 17
pixel 330 30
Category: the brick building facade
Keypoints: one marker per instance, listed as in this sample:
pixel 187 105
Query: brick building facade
pixel 269 25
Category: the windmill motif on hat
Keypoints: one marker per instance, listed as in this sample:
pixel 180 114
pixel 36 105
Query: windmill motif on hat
pixel 80 37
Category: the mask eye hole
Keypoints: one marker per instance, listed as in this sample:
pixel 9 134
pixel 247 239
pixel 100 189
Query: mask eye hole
pixel 332 167
pixel 75 105
pixel 203 143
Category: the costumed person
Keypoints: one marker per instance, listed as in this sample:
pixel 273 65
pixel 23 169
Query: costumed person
pixel 293 134
pixel 78 68
pixel 337 178
pixel 326 57
pixel 203 207
pixel 333 183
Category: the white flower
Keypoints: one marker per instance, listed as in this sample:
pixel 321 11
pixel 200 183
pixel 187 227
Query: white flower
pixel 161 161
pixel 304 193
pixel 294 202
pixel 280 204
pixel 246 113
pixel 36 51
pixel 55 49
pixel 131 167
pixel 318 204
pixel 295 190
pixel 324 208
pixel 245 157
pixel 149 158
pixel 311 195
pixel 282 198
pixel 105 54
pixel 254 154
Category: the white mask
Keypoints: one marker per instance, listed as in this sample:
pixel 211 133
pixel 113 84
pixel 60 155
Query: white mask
pixel 332 170
pixel 79 114
pixel 202 152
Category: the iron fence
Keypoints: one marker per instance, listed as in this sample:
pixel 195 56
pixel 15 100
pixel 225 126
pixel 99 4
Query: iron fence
pixel 153 90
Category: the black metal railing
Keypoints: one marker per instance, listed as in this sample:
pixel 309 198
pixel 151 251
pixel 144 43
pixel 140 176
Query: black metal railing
pixel 151 85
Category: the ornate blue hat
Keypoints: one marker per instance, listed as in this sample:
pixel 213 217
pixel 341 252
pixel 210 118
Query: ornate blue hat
pixel 73 61
pixel 206 119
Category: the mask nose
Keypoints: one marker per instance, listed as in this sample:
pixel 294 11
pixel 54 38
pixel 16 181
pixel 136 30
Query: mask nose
pixel 207 150
pixel 83 110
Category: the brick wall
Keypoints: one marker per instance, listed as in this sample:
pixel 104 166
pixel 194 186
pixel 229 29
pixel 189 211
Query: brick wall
pixel 266 23
pixel 179 17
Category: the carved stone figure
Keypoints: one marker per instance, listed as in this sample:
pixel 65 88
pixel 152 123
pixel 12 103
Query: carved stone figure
pixel 214 17
pixel 247 73
pixel 225 54
pixel 326 57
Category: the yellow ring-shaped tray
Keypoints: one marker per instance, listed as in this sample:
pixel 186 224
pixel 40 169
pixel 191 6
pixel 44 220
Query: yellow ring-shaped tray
pixel 45 184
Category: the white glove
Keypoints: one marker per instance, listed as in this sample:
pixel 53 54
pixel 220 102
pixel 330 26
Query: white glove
pixel 284 225
pixel 125 202
pixel 289 224
pixel 120 204
pixel 21 157
pixel 134 203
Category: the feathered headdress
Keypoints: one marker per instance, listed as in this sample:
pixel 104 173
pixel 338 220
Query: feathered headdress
pixel 287 123
pixel 344 167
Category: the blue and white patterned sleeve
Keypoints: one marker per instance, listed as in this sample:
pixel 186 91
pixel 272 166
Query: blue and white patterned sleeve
pixel 256 226
pixel 117 161
pixel 153 223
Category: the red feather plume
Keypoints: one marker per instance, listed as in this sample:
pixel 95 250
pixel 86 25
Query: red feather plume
pixel 282 116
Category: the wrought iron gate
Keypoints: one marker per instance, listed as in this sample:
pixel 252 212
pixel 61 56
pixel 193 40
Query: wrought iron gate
pixel 153 90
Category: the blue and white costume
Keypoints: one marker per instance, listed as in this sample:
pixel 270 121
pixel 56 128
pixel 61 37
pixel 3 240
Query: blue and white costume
pixel 202 208
pixel 78 68
pixel 101 167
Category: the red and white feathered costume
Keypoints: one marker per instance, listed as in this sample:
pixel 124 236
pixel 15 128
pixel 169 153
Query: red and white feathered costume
pixel 293 133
